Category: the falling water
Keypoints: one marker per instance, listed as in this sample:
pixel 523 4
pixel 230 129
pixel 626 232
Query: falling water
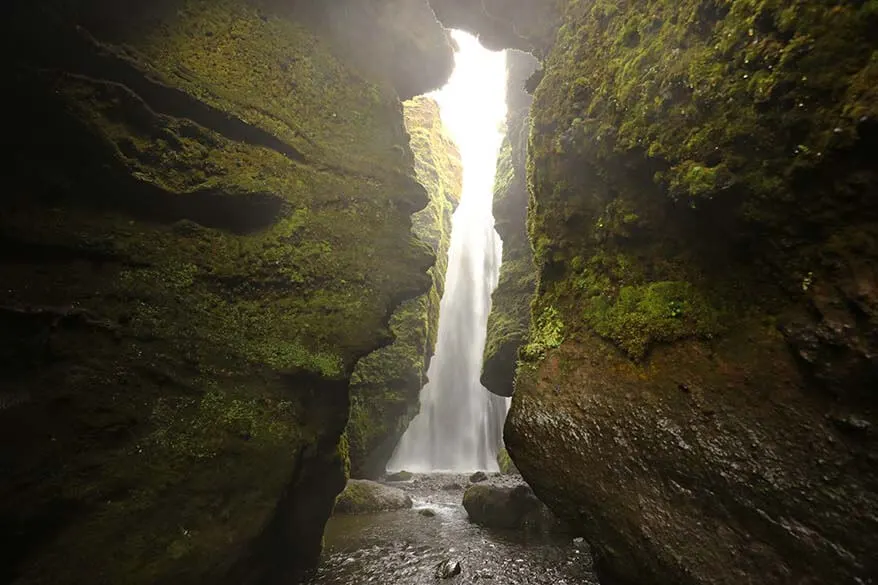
pixel 459 427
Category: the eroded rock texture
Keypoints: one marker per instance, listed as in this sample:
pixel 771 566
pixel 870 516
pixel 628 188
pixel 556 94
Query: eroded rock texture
pixel 206 223
pixel 698 389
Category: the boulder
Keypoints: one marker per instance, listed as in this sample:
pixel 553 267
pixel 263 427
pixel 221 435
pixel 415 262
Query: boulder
pixel 447 569
pixel 400 476
pixel 508 508
pixel 478 476
pixel 362 496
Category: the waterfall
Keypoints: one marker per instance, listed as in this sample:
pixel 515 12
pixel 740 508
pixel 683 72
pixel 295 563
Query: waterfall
pixel 460 424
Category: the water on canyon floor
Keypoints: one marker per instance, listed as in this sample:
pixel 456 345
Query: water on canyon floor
pixel 459 426
pixel 403 547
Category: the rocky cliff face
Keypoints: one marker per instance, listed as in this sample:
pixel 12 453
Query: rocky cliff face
pixel 527 25
pixel 386 383
pixel 697 393
pixel 510 304
pixel 206 224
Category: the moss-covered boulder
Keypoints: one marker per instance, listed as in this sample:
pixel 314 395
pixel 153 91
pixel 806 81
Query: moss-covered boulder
pixel 206 223
pixel 362 496
pixel 697 393
pixel 510 303
pixel 386 383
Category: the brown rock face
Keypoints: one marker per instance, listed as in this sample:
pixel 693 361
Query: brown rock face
pixel 715 460
pixel 697 391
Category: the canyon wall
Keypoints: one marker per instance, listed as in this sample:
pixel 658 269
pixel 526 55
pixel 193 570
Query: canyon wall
pixel 696 394
pixel 207 222
pixel 510 304
pixel 386 384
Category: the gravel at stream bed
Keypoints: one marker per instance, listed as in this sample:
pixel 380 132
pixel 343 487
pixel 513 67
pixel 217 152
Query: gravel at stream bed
pixel 408 547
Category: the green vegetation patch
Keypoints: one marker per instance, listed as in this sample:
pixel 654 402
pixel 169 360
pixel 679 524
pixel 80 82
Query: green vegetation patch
pixel 726 93
pixel 546 332
pixel 640 316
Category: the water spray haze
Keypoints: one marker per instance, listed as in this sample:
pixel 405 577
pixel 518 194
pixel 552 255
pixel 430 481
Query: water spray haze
pixel 459 426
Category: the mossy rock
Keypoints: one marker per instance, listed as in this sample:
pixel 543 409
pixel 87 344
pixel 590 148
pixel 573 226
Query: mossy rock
pixel 386 383
pixel 509 319
pixel 692 167
pixel 208 224
pixel 400 476
pixel 362 496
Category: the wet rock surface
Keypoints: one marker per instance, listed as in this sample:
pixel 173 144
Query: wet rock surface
pixel 362 496
pixel 508 507
pixel 478 476
pixel 447 569
pixel 404 548
pixel 399 476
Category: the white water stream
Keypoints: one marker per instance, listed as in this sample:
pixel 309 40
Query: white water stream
pixel 460 424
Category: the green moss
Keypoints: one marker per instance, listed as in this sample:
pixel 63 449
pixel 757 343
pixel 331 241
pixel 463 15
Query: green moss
pixel 386 383
pixel 510 305
pixel 504 462
pixel 736 76
pixel 220 51
pixel 344 454
pixel 669 138
pixel 657 312
pixel 236 251
pixel 197 428
pixel 546 332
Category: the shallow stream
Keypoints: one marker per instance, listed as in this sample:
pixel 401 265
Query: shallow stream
pixel 404 547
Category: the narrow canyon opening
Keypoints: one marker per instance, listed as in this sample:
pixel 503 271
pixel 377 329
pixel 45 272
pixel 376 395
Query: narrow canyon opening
pixel 227 238
pixel 450 505
pixel 459 426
